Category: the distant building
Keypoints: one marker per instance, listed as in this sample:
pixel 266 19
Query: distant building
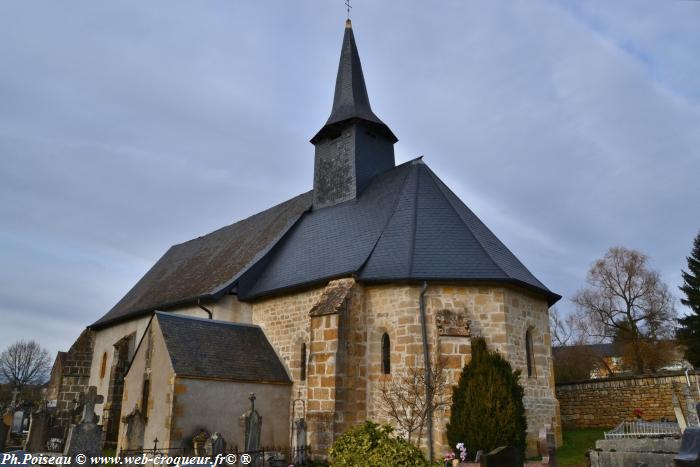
pixel 592 361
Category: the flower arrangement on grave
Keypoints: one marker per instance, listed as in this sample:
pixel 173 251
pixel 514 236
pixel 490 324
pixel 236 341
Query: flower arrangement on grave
pixel 638 413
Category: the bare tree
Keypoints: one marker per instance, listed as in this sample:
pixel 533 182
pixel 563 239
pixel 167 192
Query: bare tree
pixel 562 329
pixel 403 398
pixel 24 363
pixel 626 301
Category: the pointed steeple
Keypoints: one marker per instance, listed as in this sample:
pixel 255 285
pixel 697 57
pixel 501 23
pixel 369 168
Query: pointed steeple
pixel 354 145
pixel 351 100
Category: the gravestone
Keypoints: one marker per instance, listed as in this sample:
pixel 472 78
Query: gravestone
pixel 86 436
pixel 199 442
pixel 689 453
pixel 691 408
pixel 135 429
pixel 547 446
pixel 38 431
pixel 218 444
pixel 18 421
pixel 504 456
pixel 253 424
pixel 300 453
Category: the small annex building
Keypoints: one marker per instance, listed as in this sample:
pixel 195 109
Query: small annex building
pixel 187 369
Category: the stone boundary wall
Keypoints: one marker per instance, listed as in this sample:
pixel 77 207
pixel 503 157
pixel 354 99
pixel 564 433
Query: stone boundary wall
pixel 604 403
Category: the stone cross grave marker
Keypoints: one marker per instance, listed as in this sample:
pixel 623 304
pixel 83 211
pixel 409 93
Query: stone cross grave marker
pixel 300 454
pixel 253 424
pixel 86 436
pixel 91 399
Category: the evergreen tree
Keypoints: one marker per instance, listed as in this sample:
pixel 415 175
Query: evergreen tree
pixel 487 404
pixel 689 333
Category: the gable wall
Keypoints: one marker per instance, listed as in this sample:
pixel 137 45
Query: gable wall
pixel 162 380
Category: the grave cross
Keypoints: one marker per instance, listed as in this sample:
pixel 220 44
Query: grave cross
pixel 91 398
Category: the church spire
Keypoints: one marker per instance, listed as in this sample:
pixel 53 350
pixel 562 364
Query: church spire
pixel 350 100
pixel 354 145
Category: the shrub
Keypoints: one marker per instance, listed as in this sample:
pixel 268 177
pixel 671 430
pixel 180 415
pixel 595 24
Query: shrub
pixel 371 445
pixel 487 403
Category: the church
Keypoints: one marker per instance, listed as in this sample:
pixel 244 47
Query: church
pixel 316 302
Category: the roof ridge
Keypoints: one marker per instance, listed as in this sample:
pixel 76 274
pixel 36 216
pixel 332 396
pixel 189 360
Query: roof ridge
pixel 244 219
pixel 438 183
pixel 390 217
pixel 204 320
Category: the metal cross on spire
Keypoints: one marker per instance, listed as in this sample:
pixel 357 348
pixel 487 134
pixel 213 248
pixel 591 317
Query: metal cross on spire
pixel 347 4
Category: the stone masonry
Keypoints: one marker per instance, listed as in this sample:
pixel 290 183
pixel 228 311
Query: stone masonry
pixel 342 325
pixel 70 377
pixel 605 403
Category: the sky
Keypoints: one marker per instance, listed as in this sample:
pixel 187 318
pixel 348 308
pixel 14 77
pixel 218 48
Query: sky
pixel 126 127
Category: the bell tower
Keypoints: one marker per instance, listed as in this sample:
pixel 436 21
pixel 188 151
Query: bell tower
pixel 354 145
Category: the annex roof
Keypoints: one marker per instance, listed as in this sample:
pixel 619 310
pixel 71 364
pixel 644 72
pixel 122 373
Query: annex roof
pixel 210 349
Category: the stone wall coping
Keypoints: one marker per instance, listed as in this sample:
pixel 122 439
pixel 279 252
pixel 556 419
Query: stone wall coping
pixel 613 379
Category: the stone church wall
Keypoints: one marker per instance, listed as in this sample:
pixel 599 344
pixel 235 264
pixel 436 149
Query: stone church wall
pixel 344 370
pixel 70 376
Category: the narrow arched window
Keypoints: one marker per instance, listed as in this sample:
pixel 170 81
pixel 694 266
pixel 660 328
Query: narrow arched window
pixel 386 354
pixel 103 365
pixel 303 361
pixel 145 395
pixel 529 354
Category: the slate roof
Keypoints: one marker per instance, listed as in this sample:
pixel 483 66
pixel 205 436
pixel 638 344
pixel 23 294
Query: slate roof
pixel 351 100
pixel 406 226
pixel 598 350
pixel 206 267
pixel 203 348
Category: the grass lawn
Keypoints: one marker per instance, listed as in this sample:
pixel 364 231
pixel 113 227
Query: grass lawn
pixel 576 442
